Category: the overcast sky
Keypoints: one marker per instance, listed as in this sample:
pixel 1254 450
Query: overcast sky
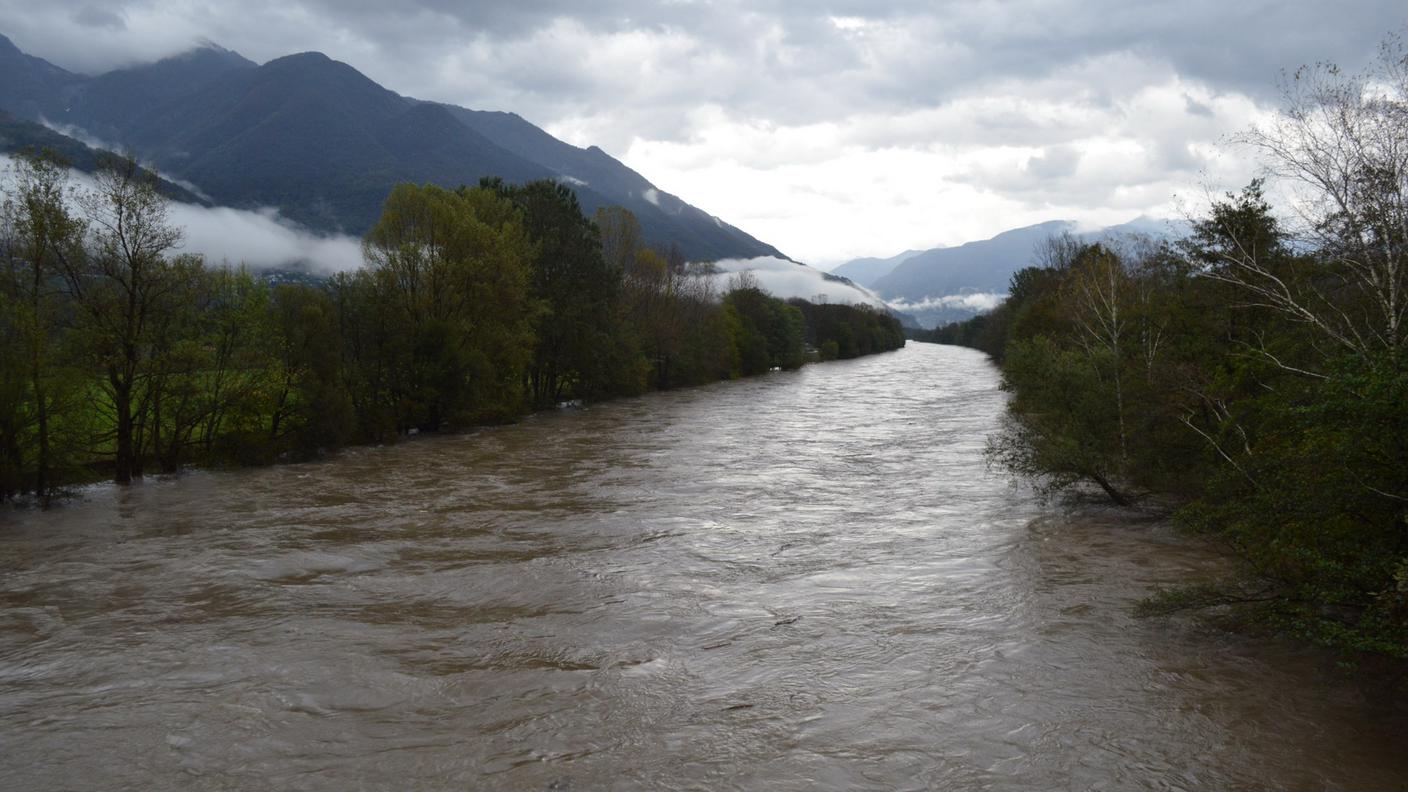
pixel 829 129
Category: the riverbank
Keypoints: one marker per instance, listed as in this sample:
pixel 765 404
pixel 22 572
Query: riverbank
pixel 1144 372
pixel 98 475
pixel 472 306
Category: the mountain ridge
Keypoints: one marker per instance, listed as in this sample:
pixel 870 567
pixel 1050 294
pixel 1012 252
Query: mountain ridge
pixel 868 269
pixel 323 143
pixel 949 283
pixel 20 136
pixel 984 265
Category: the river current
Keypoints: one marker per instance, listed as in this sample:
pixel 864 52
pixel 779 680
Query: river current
pixel 808 580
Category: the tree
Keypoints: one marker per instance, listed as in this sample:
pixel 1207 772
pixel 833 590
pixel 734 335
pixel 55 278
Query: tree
pixel 583 351
pixel 1101 291
pixel 1340 144
pixel 1059 432
pixel 306 406
pixel 770 333
pixel 39 233
pixel 621 236
pixel 180 367
pixel 209 360
pixel 124 286
pixel 448 279
pixel 1079 339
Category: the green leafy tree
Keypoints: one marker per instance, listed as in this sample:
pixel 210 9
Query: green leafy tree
pixel 305 406
pixel 583 348
pixel 124 287
pixel 39 433
pixel 450 273
pixel 771 333
pixel 1060 432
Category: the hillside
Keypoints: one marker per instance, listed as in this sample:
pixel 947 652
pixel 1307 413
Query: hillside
pixel 17 135
pixel 866 271
pixel 602 180
pixel 324 144
pixel 954 283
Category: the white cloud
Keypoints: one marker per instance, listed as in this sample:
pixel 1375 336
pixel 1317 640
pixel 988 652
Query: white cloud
pixel 871 184
pixel 982 301
pixel 257 239
pixel 788 279
pixel 261 240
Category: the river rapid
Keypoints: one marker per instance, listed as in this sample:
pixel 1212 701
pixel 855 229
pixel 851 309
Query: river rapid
pixel 807 580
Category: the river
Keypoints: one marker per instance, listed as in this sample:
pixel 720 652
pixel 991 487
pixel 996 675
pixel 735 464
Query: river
pixel 807 580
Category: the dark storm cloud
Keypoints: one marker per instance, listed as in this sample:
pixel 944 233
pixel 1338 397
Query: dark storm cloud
pixel 987 113
pixel 801 61
pixel 91 17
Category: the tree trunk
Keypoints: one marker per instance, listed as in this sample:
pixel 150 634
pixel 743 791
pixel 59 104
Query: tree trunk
pixel 155 417
pixel 122 403
pixel 1115 495
pixel 41 473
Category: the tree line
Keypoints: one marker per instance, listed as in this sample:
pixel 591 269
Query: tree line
pixel 120 356
pixel 1255 374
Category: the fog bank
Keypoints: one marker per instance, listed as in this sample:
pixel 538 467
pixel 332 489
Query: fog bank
pixel 788 279
pixel 259 239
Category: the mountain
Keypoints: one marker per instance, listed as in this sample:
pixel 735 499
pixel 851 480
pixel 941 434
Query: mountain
pixel 30 86
pixel 602 180
pixel 106 106
pixel 866 271
pixel 315 138
pixel 982 266
pixel 324 144
pixel 949 284
pixel 17 135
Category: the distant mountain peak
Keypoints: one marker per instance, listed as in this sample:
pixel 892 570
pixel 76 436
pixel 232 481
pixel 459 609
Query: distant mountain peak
pixel 318 66
pixel 311 56
pixel 936 285
pixel 206 56
pixel 204 43
pixel 205 49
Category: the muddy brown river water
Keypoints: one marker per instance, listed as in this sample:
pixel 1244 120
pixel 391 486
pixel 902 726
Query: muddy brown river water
pixel 803 581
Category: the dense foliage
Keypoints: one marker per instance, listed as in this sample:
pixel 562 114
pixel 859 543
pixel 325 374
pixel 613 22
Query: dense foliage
pixel 119 357
pixel 1257 377
pixel 845 331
